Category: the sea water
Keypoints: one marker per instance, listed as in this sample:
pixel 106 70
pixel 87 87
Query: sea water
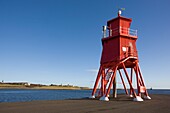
pixel 23 95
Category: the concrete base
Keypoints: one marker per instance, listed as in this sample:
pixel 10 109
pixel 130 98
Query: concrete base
pixel 92 97
pixel 130 95
pixel 138 99
pixel 147 97
pixel 103 98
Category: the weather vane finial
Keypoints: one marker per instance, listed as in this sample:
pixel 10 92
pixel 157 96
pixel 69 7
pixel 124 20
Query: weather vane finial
pixel 120 11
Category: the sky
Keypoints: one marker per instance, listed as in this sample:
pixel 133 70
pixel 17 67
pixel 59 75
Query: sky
pixel 59 41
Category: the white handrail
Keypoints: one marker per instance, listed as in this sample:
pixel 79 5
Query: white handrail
pixel 128 31
pixel 123 30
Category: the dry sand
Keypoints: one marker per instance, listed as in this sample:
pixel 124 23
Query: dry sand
pixel 123 104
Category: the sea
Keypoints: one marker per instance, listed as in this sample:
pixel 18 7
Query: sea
pixel 25 95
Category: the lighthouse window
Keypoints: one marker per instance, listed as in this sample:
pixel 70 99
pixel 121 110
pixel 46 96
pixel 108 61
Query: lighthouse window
pixel 124 49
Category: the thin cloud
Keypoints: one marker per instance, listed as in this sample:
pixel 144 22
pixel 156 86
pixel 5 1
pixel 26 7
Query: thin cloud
pixel 93 70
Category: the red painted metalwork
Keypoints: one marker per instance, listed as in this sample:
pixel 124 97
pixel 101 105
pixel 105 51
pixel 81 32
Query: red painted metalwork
pixel 131 78
pixel 123 82
pixel 119 52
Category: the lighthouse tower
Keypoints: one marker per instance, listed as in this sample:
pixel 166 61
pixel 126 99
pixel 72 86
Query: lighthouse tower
pixel 119 53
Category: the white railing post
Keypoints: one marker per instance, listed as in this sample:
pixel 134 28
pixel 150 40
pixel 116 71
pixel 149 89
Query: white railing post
pixel 104 31
pixel 110 32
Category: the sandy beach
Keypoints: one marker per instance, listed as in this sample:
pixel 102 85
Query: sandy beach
pixel 123 104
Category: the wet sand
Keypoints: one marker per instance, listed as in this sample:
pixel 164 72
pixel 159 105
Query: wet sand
pixel 123 104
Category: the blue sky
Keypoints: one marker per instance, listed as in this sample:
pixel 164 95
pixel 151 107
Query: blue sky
pixel 59 41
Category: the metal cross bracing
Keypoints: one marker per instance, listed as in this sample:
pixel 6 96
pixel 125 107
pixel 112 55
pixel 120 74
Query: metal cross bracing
pixel 107 74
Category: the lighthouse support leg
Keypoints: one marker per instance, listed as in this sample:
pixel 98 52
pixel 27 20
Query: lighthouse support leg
pixel 96 83
pixel 146 92
pixel 123 82
pixel 137 80
pixel 131 78
pixel 131 87
pixel 103 88
pixel 114 88
pixel 105 97
pixel 136 98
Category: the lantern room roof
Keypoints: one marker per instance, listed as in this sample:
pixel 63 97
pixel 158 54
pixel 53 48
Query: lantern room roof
pixel 120 17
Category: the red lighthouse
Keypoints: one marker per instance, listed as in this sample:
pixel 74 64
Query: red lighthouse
pixel 119 54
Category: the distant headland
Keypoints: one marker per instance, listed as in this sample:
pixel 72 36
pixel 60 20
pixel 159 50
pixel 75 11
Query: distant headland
pixel 26 85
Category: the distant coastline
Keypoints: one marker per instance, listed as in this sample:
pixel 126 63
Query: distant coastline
pixel 25 85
